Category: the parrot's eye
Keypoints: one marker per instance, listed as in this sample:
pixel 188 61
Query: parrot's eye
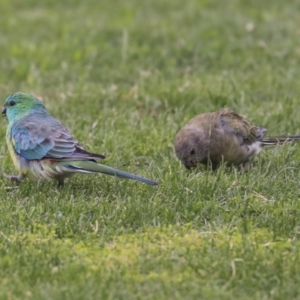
pixel 12 103
pixel 192 152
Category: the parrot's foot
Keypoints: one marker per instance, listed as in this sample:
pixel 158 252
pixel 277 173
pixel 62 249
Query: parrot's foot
pixel 12 178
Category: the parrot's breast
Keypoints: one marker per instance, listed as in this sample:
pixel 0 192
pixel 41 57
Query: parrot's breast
pixel 14 156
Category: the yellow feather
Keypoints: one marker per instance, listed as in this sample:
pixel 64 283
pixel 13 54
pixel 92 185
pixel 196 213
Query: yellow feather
pixel 10 144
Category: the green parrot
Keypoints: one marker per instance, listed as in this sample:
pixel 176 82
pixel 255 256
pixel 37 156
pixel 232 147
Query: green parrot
pixel 41 147
pixel 222 136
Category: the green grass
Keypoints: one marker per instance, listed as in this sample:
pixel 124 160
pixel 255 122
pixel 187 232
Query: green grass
pixel 125 76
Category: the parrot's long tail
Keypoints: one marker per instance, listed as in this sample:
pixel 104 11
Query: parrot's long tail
pixel 279 140
pixel 87 166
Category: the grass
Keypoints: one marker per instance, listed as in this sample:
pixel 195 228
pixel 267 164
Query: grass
pixel 125 76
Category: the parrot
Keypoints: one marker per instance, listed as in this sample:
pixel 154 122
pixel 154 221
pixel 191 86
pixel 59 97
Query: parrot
pixel 222 136
pixel 41 147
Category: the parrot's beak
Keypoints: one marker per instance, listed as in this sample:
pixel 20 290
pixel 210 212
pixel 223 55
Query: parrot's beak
pixel 4 111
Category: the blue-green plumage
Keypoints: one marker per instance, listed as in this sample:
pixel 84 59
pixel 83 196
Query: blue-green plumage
pixel 41 147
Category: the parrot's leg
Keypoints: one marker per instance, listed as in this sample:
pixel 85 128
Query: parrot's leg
pixel 17 178
pixel 60 182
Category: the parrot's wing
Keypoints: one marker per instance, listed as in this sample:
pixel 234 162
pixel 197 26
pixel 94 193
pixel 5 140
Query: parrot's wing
pixel 46 137
pixel 239 125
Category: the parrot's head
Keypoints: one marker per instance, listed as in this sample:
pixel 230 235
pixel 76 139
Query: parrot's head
pixel 19 105
pixel 191 146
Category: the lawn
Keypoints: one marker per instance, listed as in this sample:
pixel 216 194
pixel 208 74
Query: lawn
pixel 124 77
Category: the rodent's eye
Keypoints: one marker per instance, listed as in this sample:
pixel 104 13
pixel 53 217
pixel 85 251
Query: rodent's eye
pixel 192 152
pixel 12 103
